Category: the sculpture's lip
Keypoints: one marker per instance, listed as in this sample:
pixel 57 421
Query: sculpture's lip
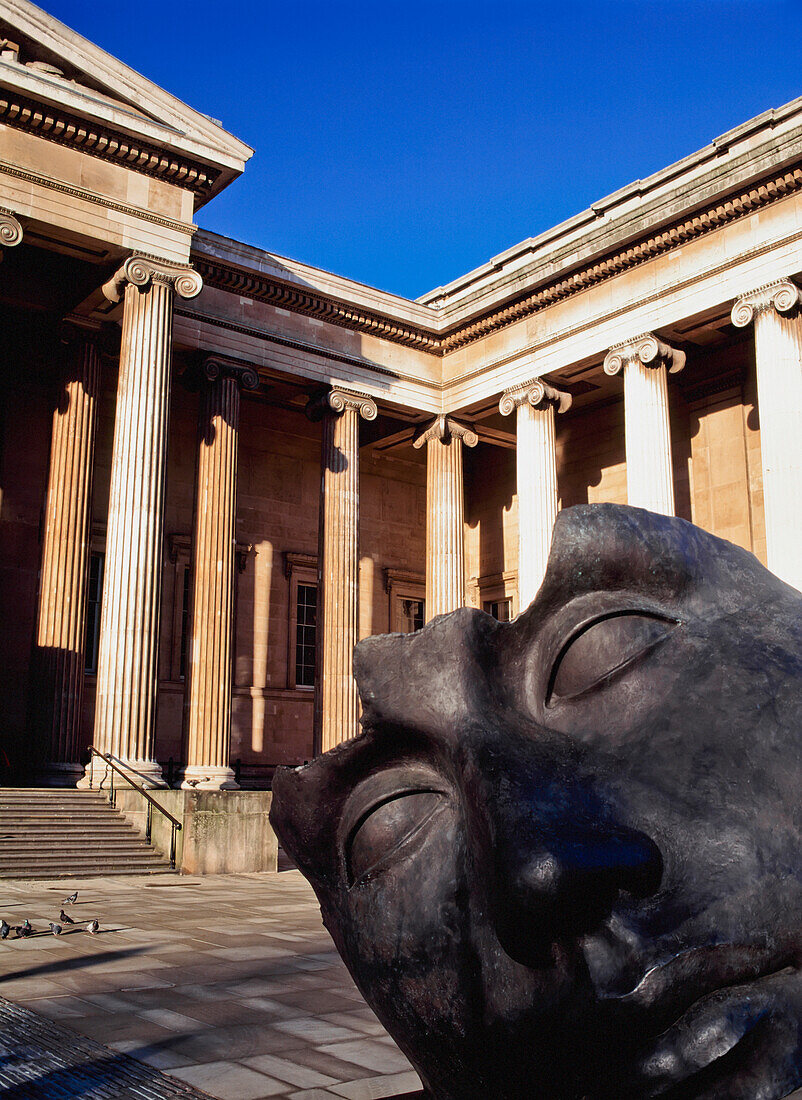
pixel 708 1031
pixel 667 990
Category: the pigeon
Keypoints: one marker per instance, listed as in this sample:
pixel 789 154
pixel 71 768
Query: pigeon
pixel 92 927
pixel 24 929
pixel 4 930
pixel 55 928
pixel 71 900
pixel 65 918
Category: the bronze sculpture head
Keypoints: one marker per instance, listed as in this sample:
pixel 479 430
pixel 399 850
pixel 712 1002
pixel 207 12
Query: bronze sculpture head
pixel 564 858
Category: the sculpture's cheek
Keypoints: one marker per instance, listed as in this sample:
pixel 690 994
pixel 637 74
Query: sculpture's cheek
pixel 408 935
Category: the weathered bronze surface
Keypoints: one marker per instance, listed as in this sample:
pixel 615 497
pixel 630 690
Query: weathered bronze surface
pixel 564 858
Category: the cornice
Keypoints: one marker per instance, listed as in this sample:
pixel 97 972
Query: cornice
pixel 105 143
pixel 440 342
pixel 264 288
pixel 703 221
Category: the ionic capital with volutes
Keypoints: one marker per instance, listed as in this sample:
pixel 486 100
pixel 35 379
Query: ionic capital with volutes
pixel 218 366
pixel 444 428
pixel 335 401
pixel 10 229
pixel 537 393
pixel 647 349
pixel 142 270
pixel 782 296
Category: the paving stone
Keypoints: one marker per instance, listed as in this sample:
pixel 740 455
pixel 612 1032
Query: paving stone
pixel 268 1006
pixel 229 1081
pixel 373 1088
pixel 370 1054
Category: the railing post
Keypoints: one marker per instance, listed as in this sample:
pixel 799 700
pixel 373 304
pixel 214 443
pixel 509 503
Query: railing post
pixel 111 784
pixel 149 826
pixel 172 845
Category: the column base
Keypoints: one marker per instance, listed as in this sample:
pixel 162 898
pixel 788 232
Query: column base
pixel 146 773
pixel 57 774
pixel 196 777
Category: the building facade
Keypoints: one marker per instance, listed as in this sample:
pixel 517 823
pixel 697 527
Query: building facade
pixel 220 468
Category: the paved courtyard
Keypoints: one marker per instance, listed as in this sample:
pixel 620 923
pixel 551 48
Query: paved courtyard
pixel 229 984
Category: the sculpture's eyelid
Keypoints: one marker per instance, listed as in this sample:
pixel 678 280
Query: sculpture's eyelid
pixel 595 676
pixel 377 803
pixel 364 858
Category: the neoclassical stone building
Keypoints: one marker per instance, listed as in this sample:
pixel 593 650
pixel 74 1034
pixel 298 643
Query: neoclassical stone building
pixel 220 468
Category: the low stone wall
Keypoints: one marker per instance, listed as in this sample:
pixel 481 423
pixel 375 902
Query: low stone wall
pixel 222 832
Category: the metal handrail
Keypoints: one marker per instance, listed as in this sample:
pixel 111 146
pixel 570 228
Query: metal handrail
pixel 110 762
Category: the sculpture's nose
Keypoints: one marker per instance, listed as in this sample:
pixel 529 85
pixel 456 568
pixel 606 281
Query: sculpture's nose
pixel 566 885
pixel 560 857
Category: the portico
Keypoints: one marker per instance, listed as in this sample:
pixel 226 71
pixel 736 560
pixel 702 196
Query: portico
pixel 221 468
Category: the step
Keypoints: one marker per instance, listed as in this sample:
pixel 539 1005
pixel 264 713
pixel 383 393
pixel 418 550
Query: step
pixel 81 863
pixel 56 832
pixel 33 848
pixel 91 872
pixel 56 815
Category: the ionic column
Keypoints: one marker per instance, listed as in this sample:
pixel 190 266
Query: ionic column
pixel 778 357
pixel 336 700
pixel 10 230
pixel 125 707
pixel 445 513
pixel 536 465
pixel 209 672
pixel 61 613
pixel 645 361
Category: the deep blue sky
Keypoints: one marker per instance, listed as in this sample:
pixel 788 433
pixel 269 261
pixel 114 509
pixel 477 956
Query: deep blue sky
pixel 403 144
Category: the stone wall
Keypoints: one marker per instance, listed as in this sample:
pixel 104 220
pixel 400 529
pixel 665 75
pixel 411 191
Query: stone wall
pixel 223 832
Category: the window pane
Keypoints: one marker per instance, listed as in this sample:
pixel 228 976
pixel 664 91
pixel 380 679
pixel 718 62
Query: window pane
pixel 94 598
pixel 184 625
pixel 413 615
pixel 305 634
pixel 499 609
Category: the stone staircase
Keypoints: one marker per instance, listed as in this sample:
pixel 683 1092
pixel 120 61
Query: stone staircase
pixel 51 832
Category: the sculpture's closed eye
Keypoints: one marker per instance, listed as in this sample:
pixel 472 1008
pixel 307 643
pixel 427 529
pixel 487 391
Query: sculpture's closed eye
pixel 388 830
pixel 603 648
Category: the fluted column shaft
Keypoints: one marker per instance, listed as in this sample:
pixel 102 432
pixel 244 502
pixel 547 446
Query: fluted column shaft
pixel 61 618
pixel 645 362
pixel 536 467
pixel 210 667
pixel 336 699
pixel 125 707
pixel 445 514
pixel 778 357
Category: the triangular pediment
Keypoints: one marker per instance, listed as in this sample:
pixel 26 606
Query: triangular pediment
pixel 46 62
